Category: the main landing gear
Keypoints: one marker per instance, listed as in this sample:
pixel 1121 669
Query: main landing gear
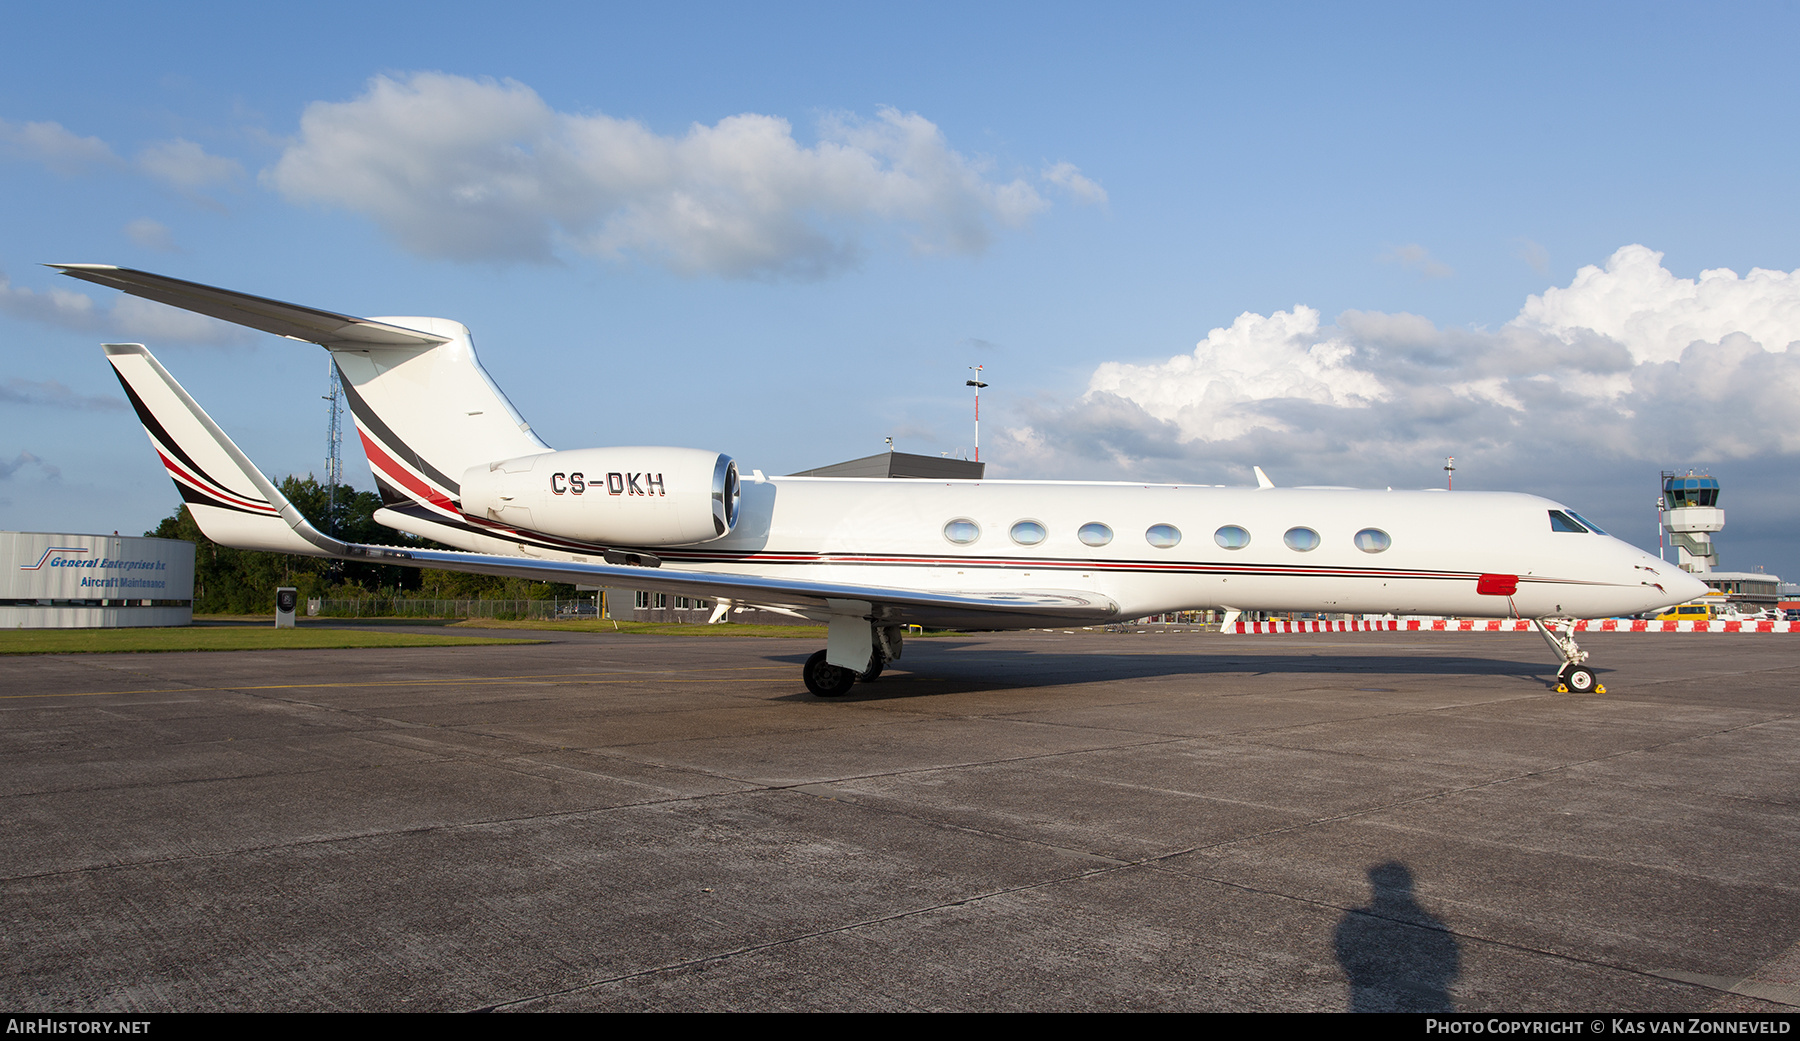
pixel 825 679
pixel 1574 677
pixel 854 639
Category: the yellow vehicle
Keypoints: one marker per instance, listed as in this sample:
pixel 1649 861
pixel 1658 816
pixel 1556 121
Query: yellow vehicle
pixel 1700 612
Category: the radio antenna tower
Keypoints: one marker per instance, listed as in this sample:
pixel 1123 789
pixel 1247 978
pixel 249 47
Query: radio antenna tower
pixel 334 443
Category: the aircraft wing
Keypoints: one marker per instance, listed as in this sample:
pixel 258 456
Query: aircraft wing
pixel 271 316
pixel 236 505
pixel 945 609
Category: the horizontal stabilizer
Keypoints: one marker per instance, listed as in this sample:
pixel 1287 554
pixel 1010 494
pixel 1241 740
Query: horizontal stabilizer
pixel 271 316
pixel 425 408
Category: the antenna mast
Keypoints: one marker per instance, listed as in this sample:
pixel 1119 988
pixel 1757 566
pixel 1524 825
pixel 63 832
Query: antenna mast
pixel 977 384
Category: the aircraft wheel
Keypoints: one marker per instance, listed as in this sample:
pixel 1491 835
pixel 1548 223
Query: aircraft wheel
pixel 1579 679
pixel 825 679
pixel 874 672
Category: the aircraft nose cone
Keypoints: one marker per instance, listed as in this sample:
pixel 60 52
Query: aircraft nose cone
pixel 1686 586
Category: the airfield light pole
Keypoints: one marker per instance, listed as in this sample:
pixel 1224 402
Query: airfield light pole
pixel 977 384
pixel 1449 471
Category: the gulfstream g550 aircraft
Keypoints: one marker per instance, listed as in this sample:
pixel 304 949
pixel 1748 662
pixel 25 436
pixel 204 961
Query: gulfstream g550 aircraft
pixel 457 464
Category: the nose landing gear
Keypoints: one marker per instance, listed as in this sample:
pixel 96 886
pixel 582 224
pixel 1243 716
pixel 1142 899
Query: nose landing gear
pixel 1574 677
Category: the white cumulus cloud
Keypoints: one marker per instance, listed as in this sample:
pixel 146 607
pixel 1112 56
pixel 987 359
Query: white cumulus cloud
pixel 61 150
pixel 8 467
pixel 130 318
pixel 1282 356
pixel 1415 257
pixel 151 234
pixel 1069 178
pixel 51 393
pixel 185 166
pixel 1627 369
pixel 477 169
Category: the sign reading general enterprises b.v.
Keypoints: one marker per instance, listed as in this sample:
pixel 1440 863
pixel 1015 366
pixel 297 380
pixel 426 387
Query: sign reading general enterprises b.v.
pixel 49 566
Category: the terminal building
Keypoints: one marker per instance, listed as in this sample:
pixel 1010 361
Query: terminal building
pixel 1690 516
pixel 62 581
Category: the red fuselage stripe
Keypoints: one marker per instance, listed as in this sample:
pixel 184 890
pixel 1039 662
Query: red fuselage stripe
pixel 404 477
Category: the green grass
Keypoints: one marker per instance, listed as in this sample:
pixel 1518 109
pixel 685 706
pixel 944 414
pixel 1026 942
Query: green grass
pixel 221 638
pixel 589 625
pixel 268 620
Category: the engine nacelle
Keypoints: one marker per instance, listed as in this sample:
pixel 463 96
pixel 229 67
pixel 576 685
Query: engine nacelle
pixel 612 496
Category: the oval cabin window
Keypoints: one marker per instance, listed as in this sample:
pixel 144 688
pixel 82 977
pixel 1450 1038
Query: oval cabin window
pixel 1301 540
pixel 1163 536
pixel 1028 533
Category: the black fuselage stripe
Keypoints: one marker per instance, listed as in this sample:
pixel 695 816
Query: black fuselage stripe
pixel 398 448
pixel 420 513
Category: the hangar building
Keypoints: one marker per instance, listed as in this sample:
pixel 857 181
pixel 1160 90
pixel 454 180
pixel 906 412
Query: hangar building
pixel 60 581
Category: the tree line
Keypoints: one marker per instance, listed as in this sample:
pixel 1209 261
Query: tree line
pixel 242 581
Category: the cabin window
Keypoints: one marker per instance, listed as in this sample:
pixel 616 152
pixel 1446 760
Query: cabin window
pixel 1028 533
pixel 1373 540
pixel 1560 521
pixel 1231 537
pixel 1301 540
pixel 1094 534
pixel 1163 536
pixel 962 531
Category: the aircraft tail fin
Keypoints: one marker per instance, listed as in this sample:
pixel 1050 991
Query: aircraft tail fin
pixel 234 504
pixel 426 414
pixel 424 406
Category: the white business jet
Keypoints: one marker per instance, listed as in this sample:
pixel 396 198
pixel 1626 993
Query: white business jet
pixel 457 464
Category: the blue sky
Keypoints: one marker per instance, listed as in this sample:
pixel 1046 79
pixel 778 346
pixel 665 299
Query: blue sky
pixel 784 232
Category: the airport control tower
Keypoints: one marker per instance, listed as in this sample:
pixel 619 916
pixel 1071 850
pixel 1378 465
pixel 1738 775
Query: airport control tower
pixel 1690 514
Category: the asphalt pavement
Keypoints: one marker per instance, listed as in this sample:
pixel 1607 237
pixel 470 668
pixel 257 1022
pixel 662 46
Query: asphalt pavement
pixel 1028 821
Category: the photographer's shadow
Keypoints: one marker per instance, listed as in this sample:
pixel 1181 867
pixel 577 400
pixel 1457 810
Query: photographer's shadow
pixel 1397 956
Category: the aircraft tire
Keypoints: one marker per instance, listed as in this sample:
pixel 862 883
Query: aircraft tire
pixel 1579 679
pixel 825 679
pixel 874 672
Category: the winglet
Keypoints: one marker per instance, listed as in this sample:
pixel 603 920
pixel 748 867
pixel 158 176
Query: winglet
pixel 231 500
pixel 1262 479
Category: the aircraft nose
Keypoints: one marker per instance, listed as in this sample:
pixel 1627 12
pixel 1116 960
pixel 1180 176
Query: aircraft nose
pixel 1686 586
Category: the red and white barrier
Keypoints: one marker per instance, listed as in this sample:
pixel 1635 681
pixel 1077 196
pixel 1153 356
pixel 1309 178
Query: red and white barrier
pixel 1513 625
